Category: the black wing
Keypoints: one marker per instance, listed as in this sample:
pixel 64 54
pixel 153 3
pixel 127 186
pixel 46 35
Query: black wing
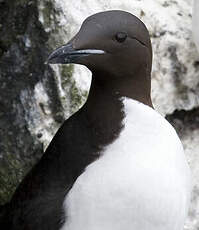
pixel 38 201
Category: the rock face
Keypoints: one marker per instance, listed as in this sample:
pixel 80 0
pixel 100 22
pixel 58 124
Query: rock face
pixel 196 22
pixel 22 49
pixel 35 98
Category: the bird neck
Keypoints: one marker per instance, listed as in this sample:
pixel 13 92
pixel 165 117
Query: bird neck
pixel 104 108
pixel 137 88
pixel 105 113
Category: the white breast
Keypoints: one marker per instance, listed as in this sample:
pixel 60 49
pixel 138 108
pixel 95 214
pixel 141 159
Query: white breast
pixel 140 182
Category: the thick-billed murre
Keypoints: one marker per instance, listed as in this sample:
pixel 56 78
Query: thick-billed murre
pixel 116 164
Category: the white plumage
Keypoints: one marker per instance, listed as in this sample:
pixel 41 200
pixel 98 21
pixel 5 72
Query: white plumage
pixel 141 181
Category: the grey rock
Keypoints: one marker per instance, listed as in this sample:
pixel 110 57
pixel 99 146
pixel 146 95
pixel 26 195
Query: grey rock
pixel 31 105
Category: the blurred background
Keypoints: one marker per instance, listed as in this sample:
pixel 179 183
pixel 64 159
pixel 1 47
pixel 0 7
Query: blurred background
pixel 35 99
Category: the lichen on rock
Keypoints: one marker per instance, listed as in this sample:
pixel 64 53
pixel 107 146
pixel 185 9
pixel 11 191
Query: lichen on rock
pixel 35 99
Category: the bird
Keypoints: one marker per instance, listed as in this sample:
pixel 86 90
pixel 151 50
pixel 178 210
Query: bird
pixel 116 163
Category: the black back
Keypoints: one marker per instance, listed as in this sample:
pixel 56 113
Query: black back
pixel 38 201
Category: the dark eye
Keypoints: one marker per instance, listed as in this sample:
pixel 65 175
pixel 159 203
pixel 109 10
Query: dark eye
pixel 121 37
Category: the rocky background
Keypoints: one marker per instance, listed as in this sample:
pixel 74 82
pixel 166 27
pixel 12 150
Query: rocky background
pixel 35 98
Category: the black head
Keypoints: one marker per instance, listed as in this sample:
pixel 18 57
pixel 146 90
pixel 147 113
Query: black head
pixel 115 44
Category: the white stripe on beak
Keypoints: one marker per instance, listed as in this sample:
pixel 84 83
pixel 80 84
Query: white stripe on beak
pixel 90 51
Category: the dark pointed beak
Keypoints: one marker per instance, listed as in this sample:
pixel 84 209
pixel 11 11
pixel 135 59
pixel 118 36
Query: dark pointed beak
pixel 67 54
pixel 62 55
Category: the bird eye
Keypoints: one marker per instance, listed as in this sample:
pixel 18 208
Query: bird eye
pixel 121 37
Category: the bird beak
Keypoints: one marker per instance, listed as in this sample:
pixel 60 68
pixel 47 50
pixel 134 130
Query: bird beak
pixel 67 54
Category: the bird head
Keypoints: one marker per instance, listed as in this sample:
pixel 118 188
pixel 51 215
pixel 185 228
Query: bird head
pixel 113 42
